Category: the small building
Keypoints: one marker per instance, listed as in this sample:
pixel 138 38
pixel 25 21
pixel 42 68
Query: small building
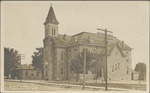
pixel 28 72
pixel 135 75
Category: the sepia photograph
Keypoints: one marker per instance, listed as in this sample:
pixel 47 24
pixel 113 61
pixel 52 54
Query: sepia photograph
pixel 83 46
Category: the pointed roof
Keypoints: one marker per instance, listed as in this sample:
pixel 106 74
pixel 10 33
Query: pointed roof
pixel 51 18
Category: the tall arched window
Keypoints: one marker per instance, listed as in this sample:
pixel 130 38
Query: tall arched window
pixel 115 67
pixel 46 73
pixel 75 52
pixel 32 73
pixel 62 56
pixel 37 73
pixel 54 31
pixel 62 71
pixel 127 70
pixel 26 73
pixel 112 68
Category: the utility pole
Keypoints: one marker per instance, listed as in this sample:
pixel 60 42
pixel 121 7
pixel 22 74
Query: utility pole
pixel 22 56
pixel 105 30
pixel 84 66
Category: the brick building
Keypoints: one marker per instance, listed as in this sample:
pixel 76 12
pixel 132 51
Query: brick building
pixel 59 49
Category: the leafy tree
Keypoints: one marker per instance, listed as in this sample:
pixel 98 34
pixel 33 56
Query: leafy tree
pixel 11 61
pixel 37 58
pixel 141 68
pixel 78 62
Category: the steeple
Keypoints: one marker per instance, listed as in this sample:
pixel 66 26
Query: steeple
pixel 51 18
pixel 51 24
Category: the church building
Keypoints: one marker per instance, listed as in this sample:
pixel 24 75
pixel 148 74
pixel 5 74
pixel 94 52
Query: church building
pixel 60 49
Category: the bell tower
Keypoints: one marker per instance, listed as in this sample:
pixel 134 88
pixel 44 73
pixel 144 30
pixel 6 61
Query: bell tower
pixel 51 24
pixel 51 32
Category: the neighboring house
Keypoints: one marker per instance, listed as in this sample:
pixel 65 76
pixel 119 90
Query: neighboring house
pixel 60 49
pixel 27 72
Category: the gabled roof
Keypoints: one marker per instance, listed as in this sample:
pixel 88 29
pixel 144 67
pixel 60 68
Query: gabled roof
pixel 124 46
pixel 112 46
pixel 51 18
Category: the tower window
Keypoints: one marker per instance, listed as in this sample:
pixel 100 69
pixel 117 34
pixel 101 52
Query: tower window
pixel 62 56
pixel 62 71
pixel 127 70
pixel 53 31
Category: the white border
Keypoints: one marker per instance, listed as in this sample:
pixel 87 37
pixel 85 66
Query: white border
pixel 2 64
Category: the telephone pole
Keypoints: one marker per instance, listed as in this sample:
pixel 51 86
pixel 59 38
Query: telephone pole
pixel 105 30
pixel 22 56
pixel 84 66
pixel 139 78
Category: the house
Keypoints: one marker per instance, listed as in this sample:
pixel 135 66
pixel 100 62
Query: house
pixel 27 72
pixel 59 49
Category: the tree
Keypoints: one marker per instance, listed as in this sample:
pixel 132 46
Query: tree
pixel 141 68
pixel 11 61
pixel 77 63
pixel 37 58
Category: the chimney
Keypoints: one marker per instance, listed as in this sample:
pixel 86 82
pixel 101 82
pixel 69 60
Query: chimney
pixel 122 43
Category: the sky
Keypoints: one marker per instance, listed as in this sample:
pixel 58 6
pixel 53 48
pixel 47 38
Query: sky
pixel 129 21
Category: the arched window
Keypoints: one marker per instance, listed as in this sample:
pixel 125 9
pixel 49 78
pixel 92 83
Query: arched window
pixel 100 73
pixel 32 73
pixel 62 56
pixel 54 31
pixel 127 70
pixel 75 52
pixel 26 73
pixel 112 68
pixel 62 71
pixel 46 73
pixel 115 67
pixel 127 59
pixel 70 54
pixel 37 73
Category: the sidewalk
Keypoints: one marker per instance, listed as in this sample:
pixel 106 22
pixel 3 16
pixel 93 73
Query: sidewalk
pixel 69 85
